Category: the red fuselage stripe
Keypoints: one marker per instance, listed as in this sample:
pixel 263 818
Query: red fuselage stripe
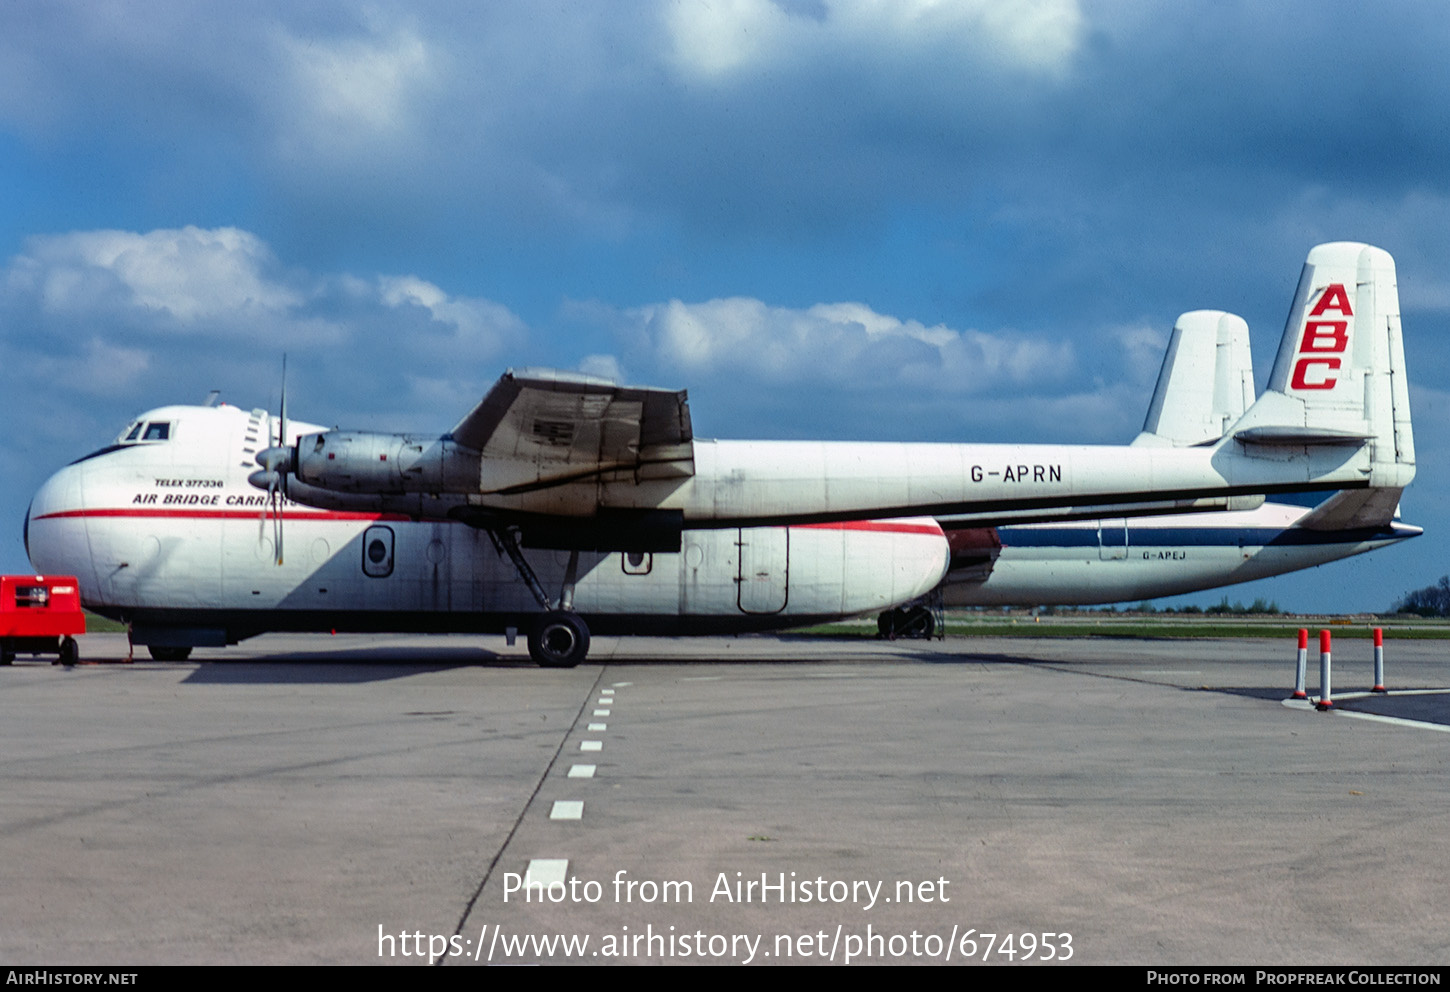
pixel 877 526
pixel 221 514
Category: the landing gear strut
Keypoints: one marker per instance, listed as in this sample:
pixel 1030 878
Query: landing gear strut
pixel 559 638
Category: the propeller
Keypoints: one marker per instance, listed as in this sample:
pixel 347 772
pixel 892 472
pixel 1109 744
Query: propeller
pixel 274 464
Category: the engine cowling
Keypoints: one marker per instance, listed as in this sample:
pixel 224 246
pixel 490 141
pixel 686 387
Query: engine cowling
pixel 385 464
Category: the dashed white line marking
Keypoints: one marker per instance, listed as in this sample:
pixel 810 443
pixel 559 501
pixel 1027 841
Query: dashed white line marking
pixel 607 692
pixel 581 771
pixel 591 745
pixel 599 726
pixel 623 684
pixel 547 872
pixel 567 809
pixel 601 712
pixel 605 701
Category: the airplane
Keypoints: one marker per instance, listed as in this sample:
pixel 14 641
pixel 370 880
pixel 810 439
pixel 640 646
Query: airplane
pixel 1205 385
pixel 641 527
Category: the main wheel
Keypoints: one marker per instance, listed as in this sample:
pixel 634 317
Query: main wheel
pixel 160 653
pixel 919 623
pixel 7 652
pixel 70 651
pixel 559 640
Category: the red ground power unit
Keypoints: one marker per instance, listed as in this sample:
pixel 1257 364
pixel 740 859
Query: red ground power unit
pixel 40 614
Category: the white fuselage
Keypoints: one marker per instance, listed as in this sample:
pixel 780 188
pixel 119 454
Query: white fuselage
pixel 169 534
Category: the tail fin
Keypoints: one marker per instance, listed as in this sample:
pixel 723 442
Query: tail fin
pixel 1206 383
pixel 1339 378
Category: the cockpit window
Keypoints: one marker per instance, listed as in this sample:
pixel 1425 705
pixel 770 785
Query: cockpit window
pixel 138 433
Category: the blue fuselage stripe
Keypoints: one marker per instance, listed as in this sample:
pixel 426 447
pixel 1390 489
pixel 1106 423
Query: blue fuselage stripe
pixel 1187 537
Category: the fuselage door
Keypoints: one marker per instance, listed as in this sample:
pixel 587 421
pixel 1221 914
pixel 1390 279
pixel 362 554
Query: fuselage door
pixel 1113 539
pixel 764 569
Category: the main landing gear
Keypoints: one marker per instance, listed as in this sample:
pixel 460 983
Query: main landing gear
pixel 915 621
pixel 923 619
pixel 559 638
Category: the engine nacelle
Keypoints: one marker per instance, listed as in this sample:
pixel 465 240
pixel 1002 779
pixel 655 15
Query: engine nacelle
pixel 384 464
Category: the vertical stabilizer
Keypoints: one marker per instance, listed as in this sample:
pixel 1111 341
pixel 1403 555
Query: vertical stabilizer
pixel 1339 378
pixel 1206 383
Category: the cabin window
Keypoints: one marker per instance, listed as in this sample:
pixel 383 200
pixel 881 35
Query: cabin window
pixel 637 562
pixel 157 431
pixel 377 548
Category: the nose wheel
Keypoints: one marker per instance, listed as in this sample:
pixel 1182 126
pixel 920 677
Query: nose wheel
pixel 559 639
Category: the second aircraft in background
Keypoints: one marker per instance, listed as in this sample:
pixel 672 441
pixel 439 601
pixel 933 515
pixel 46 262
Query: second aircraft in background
pixel 1206 384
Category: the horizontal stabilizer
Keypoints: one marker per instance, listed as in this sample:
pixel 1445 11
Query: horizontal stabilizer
pixel 1300 435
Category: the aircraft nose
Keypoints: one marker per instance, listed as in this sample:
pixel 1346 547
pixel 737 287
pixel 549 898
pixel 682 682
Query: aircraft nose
pixel 53 541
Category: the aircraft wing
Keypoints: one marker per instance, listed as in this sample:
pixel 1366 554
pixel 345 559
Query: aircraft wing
pixel 538 428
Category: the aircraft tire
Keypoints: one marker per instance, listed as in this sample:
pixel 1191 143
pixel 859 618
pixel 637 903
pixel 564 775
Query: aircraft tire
pixel 559 639
pixel 70 651
pixel 7 652
pixel 918 622
pixel 160 653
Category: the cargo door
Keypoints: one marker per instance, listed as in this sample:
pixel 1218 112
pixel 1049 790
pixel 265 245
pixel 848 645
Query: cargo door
pixel 764 569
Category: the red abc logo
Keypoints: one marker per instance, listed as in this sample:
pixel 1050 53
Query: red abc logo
pixel 1321 339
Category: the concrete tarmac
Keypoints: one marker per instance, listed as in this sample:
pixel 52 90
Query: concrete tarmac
pixel 361 800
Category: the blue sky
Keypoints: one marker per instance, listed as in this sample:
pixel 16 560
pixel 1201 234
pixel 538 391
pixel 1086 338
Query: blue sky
pixel 911 219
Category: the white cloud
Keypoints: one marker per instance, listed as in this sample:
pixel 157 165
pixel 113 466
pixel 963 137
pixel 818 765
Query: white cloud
pixel 604 366
pixel 718 39
pixel 351 93
pixel 1142 346
pixel 712 39
pixel 842 343
pixel 132 317
pixel 479 327
pixel 101 369
pixel 190 274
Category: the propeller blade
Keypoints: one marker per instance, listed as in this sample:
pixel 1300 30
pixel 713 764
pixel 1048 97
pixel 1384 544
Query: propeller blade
pixel 280 489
